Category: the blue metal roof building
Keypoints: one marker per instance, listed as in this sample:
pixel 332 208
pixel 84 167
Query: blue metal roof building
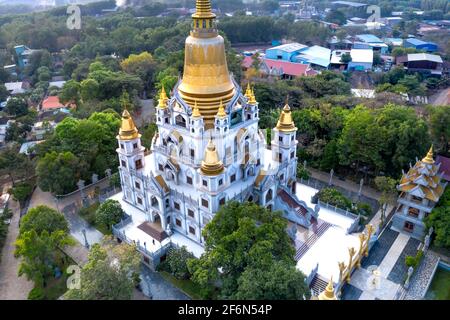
pixel 285 52
pixel 315 55
pixel 420 45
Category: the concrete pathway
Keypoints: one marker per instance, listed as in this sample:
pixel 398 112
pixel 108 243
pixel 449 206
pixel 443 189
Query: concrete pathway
pixel 373 281
pixel 393 254
pixel 158 288
pixel 12 287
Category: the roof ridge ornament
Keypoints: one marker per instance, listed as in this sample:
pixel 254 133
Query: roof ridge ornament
pixel 429 157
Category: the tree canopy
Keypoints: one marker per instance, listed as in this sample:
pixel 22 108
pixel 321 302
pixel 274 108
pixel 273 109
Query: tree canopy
pixel 240 238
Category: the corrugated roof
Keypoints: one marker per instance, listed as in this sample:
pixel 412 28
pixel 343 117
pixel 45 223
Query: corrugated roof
pixel 290 47
pixel 424 56
pixel 418 42
pixel 369 38
pixel 288 68
pixel 362 55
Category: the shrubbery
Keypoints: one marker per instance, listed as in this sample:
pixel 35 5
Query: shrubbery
pixel 335 198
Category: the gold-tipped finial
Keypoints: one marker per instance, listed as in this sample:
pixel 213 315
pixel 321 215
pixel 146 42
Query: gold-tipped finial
pixel 162 102
pixel 196 112
pixel 128 130
pixel 252 99
pixel 248 92
pixel 429 157
pixel 211 165
pixel 203 9
pixel 328 293
pixel 286 123
pixel 221 113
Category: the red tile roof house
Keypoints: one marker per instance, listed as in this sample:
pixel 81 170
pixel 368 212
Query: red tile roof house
pixel 51 103
pixel 285 69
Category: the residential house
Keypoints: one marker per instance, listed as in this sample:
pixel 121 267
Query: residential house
pixel 444 167
pixel 15 88
pixel 4 125
pixel 285 69
pixel 362 60
pixel 23 55
pixel 423 63
pixel 365 41
pixel 41 128
pixel 51 103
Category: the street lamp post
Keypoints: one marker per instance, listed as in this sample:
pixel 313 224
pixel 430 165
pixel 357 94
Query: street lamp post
pixel 86 243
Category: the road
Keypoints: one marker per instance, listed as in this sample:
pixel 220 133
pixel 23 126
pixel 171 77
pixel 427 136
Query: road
pixel 442 98
pixel 12 287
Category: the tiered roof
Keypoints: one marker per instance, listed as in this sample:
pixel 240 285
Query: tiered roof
pixel 423 180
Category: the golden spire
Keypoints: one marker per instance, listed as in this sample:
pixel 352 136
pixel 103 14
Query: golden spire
pixel 286 123
pixel 429 158
pixel 248 92
pixel 211 165
pixel 128 130
pixel 206 78
pixel 221 113
pixel 252 99
pixel 203 9
pixel 195 111
pixel 162 102
pixel 328 293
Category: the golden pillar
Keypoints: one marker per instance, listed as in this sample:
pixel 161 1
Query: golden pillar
pixel 351 252
pixel 362 238
pixel 369 234
pixel 341 270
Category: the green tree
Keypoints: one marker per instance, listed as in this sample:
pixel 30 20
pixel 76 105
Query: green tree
pixel 70 92
pixel 21 192
pixel 280 281
pixel 439 219
pixel 14 164
pixel 16 107
pixel 43 218
pixel 240 237
pixel 39 254
pixel 89 89
pixel 148 134
pixel 109 213
pixel 142 65
pixel 346 58
pixel 59 172
pixel 336 16
pixel 440 127
pixel 3 93
pixel 387 187
pixel 176 260
pixel 362 141
pixel 110 274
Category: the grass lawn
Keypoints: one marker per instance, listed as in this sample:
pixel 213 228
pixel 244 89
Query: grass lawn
pixel 88 214
pixel 440 286
pixel 189 287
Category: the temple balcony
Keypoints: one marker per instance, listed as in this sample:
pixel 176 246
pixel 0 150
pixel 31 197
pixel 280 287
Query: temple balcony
pixel 415 204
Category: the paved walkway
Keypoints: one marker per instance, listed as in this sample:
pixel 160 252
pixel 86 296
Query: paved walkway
pixel 12 287
pixel 155 286
pixel 422 277
pixel 373 280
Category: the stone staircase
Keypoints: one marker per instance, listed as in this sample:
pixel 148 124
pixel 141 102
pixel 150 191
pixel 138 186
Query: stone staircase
pixel 318 285
pixel 319 229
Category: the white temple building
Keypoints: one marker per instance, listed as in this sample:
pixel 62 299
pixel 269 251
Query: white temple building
pixel 209 150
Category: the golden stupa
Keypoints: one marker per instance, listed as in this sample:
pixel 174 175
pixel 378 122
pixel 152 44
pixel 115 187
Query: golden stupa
pixel 206 79
pixel 128 130
pixel 285 122
pixel 211 165
pixel 328 293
